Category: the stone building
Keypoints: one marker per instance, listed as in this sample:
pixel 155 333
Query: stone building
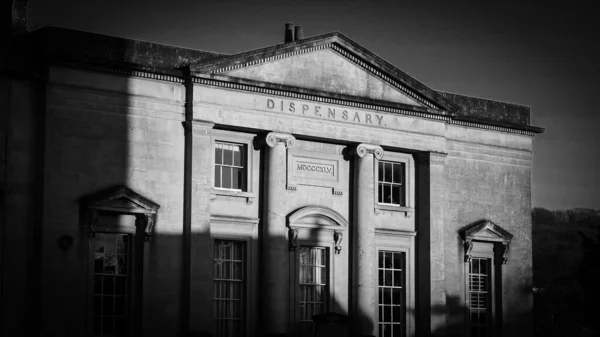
pixel 161 191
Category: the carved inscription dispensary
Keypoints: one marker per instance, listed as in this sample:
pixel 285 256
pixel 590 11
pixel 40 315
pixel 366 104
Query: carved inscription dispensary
pixel 342 114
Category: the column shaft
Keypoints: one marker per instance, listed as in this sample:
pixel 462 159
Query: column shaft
pixel 275 261
pixel 365 260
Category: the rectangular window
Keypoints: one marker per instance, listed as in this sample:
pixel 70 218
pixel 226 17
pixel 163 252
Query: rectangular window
pixel 111 284
pixel 230 288
pixel 313 281
pixel 392 186
pixel 479 297
pixel 230 166
pixel 392 294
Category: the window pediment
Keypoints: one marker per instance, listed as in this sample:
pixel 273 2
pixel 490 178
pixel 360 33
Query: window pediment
pixel 120 200
pixel 486 231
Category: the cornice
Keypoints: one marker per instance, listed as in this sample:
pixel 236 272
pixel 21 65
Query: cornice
pixel 169 77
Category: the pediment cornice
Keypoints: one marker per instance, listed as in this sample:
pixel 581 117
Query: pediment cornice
pixel 344 47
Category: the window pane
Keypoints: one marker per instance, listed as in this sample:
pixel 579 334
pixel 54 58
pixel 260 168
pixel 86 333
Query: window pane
pixel 227 154
pixel 237 155
pixel 218 176
pixel 122 243
pixel 110 263
pixel 387 172
pixel 226 177
pixel 396 195
pixel 397 176
pixel 380 194
pixel 238 178
pixel 218 154
pixel 381 164
pixel 387 194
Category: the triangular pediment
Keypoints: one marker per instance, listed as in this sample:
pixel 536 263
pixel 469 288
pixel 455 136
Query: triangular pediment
pixel 120 199
pixel 486 231
pixel 327 71
pixel 328 65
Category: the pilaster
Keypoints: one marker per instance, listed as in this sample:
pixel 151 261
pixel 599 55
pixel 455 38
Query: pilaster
pixel 431 276
pixel 198 246
pixel 364 261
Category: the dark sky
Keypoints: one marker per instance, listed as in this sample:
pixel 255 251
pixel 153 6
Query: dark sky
pixel 541 54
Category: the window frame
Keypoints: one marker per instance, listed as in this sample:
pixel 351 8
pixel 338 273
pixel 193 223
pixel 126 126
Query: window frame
pixel 243 166
pixel 402 242
pixel 244 230
pixel 483 250
pixel 295 271
pixel 136 260
pixel 250 156
pixel 247 286
pixel 409 182
pixel 328 267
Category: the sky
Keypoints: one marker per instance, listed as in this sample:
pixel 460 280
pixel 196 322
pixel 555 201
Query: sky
pixel 541 54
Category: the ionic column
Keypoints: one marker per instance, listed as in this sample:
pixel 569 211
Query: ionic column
pixel 275 270
pixel 365 258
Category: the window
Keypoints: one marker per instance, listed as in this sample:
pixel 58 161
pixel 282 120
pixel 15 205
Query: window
pixel 313 283
pixel 392 185
pixel 230 288
pixel 479 296
pixel 486 251
pixel 230 166
pixel 392 294
pixel 111 282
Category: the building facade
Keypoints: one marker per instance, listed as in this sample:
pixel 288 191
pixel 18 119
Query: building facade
pixel 160 191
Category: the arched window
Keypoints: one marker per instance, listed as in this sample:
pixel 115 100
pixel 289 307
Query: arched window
pixel 316 237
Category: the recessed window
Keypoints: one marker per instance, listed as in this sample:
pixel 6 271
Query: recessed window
pixel 229 287
pixel 392 294
pixel 313 283
pixel 112 278
pixel 230 166
pixel 479 297
pixel 392 183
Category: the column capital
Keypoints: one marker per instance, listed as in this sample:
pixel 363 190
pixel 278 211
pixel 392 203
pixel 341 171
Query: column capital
pixel 273 138
pixel 362 150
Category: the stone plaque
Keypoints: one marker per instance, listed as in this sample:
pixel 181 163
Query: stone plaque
pixel 314 169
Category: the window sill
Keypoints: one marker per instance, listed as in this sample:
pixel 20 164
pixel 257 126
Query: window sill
pixel 408 211
pixel 232 193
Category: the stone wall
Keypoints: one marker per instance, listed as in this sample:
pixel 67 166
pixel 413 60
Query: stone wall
pixel 106 130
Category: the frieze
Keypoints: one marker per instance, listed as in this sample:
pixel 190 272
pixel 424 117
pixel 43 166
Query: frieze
pixel 325 112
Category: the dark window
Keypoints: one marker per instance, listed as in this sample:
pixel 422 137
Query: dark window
pixel 230 288
pixel 313 281
pixel 230 166
pixel 392 187
pixel 392 294
pixel 479 297
pixel 111 284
